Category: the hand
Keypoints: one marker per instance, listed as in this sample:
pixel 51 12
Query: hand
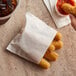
pixel 73 21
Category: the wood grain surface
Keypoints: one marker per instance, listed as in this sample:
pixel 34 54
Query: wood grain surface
pixel 12 65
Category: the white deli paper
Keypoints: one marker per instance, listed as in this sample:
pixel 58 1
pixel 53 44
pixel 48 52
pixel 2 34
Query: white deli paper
pixel 59 21
pixel 33 42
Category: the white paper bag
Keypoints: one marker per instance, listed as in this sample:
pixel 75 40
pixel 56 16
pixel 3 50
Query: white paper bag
pixel 35 39
pixel 59 21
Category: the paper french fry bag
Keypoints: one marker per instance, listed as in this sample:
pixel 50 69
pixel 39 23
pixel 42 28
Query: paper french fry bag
pixel 33 42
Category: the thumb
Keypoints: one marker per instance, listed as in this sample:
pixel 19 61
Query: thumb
pixel 73 18
pixel 73 21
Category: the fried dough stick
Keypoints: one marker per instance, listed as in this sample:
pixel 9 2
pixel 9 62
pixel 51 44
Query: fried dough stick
pixel 68 8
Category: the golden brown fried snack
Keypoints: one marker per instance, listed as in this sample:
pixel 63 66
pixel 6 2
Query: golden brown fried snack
pixel 57 44
pixel 44 63
pixel 51 56
pixel 58 36
pixel 51 48
pixel 68 8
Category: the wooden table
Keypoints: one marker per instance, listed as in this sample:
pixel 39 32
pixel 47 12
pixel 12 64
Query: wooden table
pixel 12 65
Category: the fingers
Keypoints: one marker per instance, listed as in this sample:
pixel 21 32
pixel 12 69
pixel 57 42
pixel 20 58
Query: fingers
pixel 73 21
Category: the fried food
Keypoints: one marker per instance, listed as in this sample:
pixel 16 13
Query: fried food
pixel 51 48
pixel 68 8
pixel 51 56
pixel 58 36
pixel 57 44
pixel 44 63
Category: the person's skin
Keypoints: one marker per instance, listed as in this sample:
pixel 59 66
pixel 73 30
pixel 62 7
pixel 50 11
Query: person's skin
pixel 73 21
